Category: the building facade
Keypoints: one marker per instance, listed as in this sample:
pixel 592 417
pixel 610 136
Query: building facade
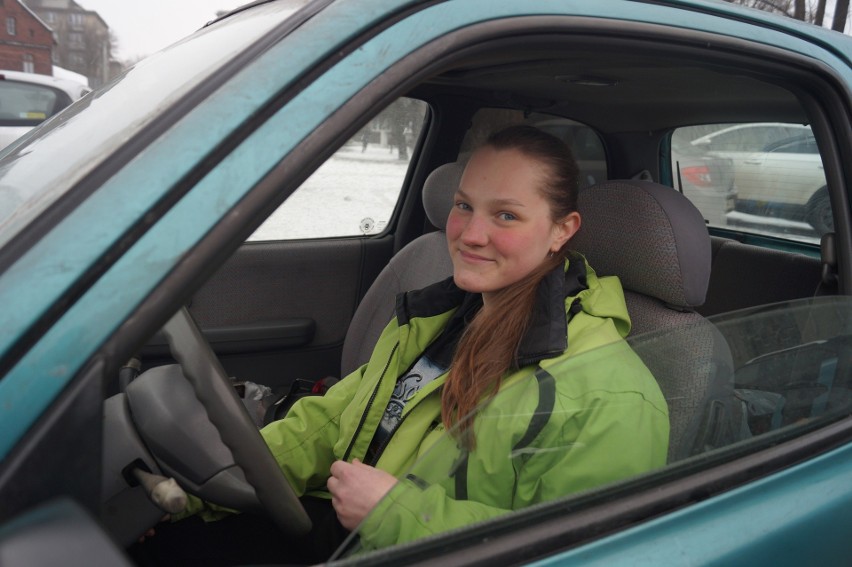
pixel 26 42
pixel 83 42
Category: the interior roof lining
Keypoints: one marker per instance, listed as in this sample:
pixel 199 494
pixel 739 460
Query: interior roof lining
pixel 692 84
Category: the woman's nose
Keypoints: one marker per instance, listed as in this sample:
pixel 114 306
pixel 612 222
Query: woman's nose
pixel 475 232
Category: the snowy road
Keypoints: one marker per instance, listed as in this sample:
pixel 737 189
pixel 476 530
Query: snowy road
pixel 352 193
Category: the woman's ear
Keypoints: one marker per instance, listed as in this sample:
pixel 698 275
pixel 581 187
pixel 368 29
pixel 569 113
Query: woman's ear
pixel 564 230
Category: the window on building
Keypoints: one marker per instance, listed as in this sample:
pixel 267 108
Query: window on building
pixel 76 39
pixel 28 63
pixel 76 20
pixel 11 26
pixel 49 17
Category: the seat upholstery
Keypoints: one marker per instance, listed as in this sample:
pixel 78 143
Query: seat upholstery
pixel 424 261
pixel 656 242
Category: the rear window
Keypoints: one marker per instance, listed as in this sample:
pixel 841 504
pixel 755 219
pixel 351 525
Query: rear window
pixel 757 177
pixel 27 104
pixel 585 143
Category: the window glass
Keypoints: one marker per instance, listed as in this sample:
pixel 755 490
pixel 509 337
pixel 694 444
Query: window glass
pixel 753 379
pixel 26 103
pixel 76 20
pixel 792 363
pixel 356 191
pixel 584 142
pixel 120 111
pixel 765 178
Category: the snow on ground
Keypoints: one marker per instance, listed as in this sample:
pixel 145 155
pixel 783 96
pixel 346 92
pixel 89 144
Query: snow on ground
pixel 353 193
pixel 769 226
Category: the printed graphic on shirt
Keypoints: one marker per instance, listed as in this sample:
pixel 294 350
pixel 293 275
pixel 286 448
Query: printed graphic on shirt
pixel 423 372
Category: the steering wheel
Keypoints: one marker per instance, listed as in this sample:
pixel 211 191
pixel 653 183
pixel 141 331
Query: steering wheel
pixel 239 433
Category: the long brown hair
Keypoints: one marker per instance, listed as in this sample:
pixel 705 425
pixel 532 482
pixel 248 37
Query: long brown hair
pixel 489 346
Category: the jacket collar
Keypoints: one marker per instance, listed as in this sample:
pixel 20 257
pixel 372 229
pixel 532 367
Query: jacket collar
pixel 547 335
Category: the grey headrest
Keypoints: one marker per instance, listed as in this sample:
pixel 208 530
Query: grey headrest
pixel 438 191
pixel 649 235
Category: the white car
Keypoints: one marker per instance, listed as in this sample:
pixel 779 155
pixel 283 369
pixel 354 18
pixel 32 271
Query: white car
pixel 778 172
pixel 28 99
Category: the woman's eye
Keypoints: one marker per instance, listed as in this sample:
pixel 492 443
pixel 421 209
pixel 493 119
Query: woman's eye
pixel 462 206
pixel 507 216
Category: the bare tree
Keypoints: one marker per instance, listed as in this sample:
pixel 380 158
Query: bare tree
pixel 819 15
pixel 812 11
pixel 841 12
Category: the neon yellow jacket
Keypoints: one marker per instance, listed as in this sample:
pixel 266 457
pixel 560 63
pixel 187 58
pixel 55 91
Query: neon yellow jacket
pixel 560 424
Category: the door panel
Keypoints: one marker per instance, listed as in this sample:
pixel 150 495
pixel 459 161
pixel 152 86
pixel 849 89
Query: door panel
pixel 277 311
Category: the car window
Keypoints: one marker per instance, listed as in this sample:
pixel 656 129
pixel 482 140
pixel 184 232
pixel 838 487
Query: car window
pixel 746 137
pixel 796 145
pixel 357 189
pixel 584 141
pixel 776 373
pixel 27 104
pixel 763 178
pixel 119 110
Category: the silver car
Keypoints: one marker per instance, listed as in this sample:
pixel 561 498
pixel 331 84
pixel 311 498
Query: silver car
pixel 28 99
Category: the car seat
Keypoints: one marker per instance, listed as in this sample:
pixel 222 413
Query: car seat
pixel 425 260
pixel 655 240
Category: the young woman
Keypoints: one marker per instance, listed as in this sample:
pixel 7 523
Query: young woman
pixel 482 369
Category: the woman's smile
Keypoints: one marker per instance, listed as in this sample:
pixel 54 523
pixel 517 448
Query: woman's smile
pixel 473 258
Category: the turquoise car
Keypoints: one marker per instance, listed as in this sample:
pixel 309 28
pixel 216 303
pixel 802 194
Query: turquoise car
pixel 192 246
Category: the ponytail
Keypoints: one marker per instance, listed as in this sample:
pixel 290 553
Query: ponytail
pixel 488 349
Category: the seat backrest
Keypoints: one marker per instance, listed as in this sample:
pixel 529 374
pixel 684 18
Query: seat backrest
pixel 425 260
pixel 656 242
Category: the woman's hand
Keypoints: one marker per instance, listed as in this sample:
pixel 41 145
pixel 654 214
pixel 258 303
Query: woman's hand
pixel 355 489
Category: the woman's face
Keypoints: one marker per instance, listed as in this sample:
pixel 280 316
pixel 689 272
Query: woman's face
pixel 500 228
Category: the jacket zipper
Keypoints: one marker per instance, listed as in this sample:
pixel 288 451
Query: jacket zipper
pixel 369 405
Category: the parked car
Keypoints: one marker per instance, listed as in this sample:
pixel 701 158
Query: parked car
pixel 706 179
pixel 129 213
pixel 28 99
pixel 778 173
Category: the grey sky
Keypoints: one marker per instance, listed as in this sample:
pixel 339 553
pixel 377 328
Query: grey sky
pixel 143 27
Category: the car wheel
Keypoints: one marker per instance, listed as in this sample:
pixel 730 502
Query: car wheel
pixel 818 212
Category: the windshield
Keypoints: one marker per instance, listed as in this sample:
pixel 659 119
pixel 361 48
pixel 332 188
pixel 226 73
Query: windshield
pixel 74 142
pixel 752 378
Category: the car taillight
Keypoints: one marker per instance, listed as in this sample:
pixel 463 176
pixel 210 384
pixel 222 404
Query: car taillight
pixel 698 175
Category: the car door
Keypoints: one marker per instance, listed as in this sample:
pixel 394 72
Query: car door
pixel 279 308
